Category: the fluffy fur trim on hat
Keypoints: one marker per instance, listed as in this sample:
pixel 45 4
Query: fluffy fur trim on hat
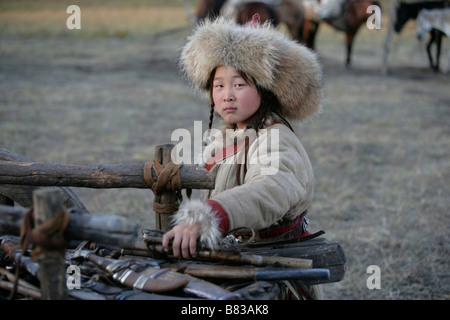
pixel 288 69
pixel 192 211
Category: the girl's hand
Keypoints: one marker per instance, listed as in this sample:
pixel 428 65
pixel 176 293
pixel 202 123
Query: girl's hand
pixel 185 238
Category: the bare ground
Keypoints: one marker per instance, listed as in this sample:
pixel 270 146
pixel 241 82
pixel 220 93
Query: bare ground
pixel 380 150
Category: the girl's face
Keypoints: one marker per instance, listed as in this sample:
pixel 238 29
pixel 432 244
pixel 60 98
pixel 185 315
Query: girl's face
pixel 235 99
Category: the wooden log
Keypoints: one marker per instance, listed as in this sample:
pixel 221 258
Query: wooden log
pixel 11 219
pixel 23 287
pixel 6 201
pixel 10 245
pixel 23 195
pixel 94 175
pixel 108 229
pixel 34 294
pixel 47 205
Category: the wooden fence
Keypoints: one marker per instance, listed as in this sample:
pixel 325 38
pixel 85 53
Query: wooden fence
pixel 18 174
pixel 43 192
pixel 22 181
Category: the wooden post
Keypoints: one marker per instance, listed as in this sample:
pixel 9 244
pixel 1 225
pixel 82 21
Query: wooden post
pixel 47 204
pixel 387 40
pixel 167 197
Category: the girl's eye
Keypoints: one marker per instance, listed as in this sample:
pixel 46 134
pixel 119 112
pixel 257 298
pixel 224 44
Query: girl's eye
pixel 240 85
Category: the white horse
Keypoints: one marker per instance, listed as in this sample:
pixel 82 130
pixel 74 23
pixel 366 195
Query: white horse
pixel 437 23
pixel 433 19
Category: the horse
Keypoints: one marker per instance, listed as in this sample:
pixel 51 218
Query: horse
pixel 437 23
pixel 406 11
pixel 410 10
pixel 311 22
pixel 266 13
pixel 433 19
pixel 353 15
pixel 290 12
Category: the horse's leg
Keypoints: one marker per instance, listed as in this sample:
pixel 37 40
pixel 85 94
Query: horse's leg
pixel 349 41
pixel 305 32
pixel 308 31
pixel 430 42
pixel 312 34
pixel 438 48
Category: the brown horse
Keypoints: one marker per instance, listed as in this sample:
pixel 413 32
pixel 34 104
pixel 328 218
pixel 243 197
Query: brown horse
pixel 266 13
pixel 290 12
pixel 354 14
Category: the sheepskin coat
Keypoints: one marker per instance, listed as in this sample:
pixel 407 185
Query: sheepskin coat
pixel 277 186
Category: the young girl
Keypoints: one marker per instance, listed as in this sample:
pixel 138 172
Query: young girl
pixel 256 79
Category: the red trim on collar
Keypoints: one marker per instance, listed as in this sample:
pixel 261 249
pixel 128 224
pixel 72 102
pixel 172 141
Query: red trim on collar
pixel 226 152
pixel 229 151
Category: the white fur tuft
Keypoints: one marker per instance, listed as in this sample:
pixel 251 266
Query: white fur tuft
pixel 192 211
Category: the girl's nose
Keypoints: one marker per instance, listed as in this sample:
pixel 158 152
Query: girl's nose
pixel 228 96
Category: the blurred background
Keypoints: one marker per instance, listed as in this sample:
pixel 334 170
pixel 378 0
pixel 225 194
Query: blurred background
pixel 110 92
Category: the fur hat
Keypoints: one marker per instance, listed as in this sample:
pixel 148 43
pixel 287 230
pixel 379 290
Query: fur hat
pixel 288 69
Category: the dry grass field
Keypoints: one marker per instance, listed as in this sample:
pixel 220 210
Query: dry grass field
pixel 110 92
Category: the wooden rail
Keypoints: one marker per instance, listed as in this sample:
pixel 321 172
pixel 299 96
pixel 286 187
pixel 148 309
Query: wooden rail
pixel 17 173
pixel 98 176
pixel 101 228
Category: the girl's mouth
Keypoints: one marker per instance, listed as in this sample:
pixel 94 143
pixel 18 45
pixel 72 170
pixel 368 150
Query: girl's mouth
pixel 229 109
